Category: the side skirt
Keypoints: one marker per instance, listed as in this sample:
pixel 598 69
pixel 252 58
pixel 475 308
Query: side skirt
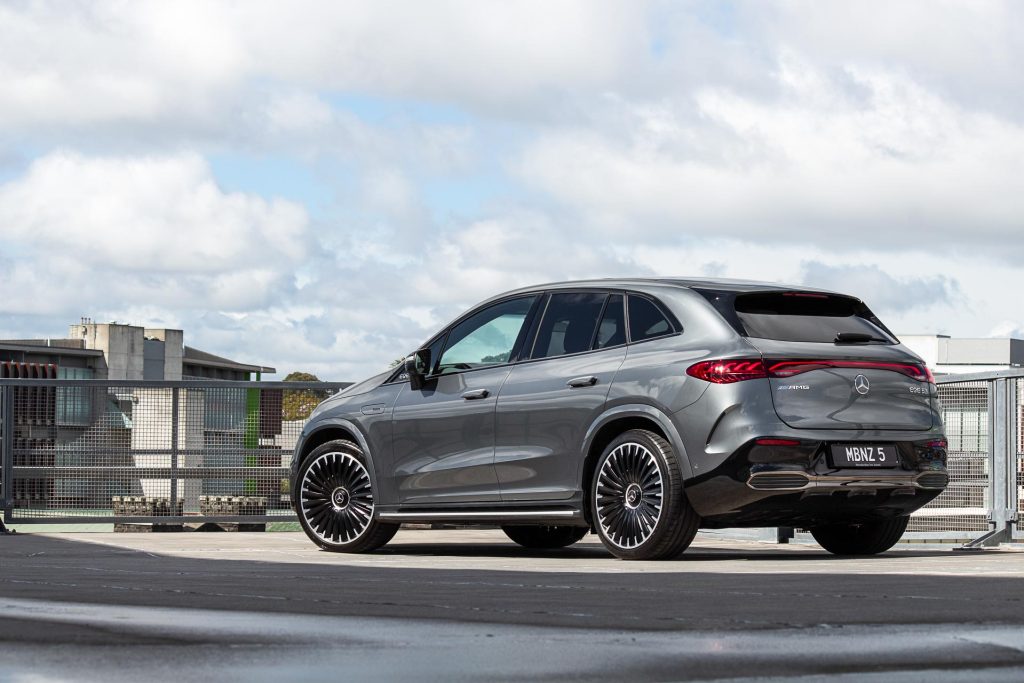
pixel 552 516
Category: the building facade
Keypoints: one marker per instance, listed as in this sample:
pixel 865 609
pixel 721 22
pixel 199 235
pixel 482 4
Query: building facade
pixel 950 355
pixel 116 351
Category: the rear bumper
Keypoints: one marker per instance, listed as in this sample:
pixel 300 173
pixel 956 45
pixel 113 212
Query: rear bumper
pixel 797 486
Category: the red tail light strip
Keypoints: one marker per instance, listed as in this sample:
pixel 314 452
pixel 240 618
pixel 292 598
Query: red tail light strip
pixel 767 441
pixel 788 368
pixel 740 369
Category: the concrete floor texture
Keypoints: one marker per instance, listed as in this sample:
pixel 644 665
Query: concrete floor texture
pixel 470 605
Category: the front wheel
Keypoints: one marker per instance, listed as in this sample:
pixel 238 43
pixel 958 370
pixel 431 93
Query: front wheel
pixel 336 500
pixel 860 539
pixel 545 537
pixel 637 500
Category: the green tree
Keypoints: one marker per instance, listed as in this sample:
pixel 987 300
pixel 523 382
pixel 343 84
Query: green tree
pixel 299 403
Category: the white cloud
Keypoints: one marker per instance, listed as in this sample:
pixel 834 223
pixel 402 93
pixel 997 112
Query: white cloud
pixel 883 292
pixel 112 232
pixel 153 214
pixel 115 62
pixel 461 149
pixel 187 63
pixel 894 165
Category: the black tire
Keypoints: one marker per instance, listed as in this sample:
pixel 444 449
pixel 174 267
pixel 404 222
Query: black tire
pixel 545 537
pixel 335 500
pixel 860 539
pixel 637 501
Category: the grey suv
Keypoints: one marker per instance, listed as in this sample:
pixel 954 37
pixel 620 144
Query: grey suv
pixel 640 409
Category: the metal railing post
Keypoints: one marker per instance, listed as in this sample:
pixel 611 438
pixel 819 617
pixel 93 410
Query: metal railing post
pixel 1014 446
pixel 174 447
pixel 1000 454
pixel 1006 512
pixel 6 453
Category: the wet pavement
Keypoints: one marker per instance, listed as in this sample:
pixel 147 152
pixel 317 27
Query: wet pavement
pixel 469 605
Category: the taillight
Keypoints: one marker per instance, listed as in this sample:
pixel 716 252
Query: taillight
pixel 769 441
pixel 740 369
pixel 789 368
pixel 728 371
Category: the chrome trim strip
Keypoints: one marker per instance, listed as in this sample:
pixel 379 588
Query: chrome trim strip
pixel 843 482
pixel 469 514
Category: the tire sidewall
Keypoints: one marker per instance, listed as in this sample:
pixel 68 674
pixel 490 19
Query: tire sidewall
pixel 335 446
pixel 671 494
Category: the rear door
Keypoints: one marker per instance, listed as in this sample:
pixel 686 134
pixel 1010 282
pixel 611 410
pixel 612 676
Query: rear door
pixel 833 365
pixel 550 399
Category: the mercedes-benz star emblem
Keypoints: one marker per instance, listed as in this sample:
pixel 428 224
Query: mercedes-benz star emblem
pixel 861 384
pixel 340 498
pixel 633 496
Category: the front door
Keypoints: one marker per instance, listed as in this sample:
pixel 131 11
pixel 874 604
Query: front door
pixel 443 433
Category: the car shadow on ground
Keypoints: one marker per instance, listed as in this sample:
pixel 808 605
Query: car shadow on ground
pixel 593 550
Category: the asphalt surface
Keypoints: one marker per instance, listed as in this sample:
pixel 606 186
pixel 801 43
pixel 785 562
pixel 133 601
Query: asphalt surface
pixel 470 605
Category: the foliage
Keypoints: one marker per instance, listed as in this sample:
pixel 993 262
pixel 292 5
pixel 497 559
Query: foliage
pixel 299 403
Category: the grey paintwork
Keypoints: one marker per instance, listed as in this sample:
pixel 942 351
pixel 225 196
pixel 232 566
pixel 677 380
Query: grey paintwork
pixel 443 448
pixel 527 440
pixel 541 422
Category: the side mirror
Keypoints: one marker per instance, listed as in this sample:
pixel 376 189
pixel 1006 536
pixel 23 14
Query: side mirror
pixel 417 366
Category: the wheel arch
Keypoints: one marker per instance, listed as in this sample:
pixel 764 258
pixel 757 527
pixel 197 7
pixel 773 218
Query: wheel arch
pixel 329 430
pixel 618 420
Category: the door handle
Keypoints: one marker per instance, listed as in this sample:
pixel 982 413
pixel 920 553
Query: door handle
pixel 578 382
pixel 474 394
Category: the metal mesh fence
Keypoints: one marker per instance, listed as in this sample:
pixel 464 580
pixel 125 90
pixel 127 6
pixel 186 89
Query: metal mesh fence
pixel 965 504
pixel 93 449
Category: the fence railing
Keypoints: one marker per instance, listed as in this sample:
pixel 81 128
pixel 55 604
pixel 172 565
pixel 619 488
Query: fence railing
pixel 78 451
pixel 983 416
pixel 82 451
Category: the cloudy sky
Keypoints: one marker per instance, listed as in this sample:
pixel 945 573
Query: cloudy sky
pixel 320 185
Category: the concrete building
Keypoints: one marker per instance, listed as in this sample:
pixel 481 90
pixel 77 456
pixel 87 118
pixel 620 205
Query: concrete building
pixel 948 355
pixel 117 351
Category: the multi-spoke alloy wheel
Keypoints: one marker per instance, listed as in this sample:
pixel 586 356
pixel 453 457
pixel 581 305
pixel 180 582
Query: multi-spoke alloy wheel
pixel 335 500
pixel 637 500
pixel 629 493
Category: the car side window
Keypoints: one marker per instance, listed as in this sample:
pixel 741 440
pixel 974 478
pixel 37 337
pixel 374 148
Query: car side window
pixel 646 320
pixel 612 330
pixel 569 323
pixel 485 338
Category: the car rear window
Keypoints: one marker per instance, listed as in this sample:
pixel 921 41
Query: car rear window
pixel 802 317
pixel 646 320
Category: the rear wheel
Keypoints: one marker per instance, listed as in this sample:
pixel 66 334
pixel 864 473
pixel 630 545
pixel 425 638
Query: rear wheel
pixel 637 500
pixel 336 500
pixel 545 537
pixel 860 539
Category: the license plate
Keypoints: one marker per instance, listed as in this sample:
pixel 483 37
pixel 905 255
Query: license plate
pixel 864 455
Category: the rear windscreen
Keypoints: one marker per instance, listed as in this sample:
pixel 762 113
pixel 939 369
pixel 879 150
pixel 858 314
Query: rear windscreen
pixel 802 317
